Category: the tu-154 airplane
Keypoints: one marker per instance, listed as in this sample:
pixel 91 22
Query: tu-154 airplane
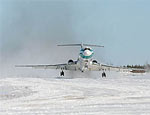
pixel 85 62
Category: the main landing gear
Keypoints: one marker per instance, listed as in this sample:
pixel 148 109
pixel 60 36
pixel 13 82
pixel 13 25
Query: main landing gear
pixel 62 73
pixel 103 74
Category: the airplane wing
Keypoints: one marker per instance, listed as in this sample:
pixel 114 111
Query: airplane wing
pixel 110 67
pixel 57 66
pixel 99 67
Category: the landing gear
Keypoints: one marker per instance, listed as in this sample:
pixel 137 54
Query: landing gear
pixel 62 73
pixel 103 74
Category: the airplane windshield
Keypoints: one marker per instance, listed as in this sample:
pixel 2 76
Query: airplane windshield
pixel 87 49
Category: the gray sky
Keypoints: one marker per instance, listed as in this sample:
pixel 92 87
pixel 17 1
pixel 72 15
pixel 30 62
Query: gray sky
pixel 31 29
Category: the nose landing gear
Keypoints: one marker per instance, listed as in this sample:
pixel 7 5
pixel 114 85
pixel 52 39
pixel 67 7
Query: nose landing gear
pixel 62 73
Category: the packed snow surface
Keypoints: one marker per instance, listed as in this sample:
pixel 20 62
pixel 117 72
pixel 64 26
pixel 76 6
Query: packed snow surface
pixel 117 94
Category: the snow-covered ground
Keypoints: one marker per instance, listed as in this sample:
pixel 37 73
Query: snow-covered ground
pixel 118 94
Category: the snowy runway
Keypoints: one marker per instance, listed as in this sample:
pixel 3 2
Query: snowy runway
pixel 114 95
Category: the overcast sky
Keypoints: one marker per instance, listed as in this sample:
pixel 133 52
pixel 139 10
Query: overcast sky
pixel 31 29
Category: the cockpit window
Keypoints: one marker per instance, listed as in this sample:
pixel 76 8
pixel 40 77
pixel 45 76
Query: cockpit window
pixel 87 49
pixel 83 49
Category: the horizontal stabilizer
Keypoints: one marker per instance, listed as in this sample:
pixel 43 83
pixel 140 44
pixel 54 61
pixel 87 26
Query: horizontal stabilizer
pixel 81 45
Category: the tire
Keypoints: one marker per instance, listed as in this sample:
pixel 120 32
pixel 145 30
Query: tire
pixel 103 74
pixel 62 73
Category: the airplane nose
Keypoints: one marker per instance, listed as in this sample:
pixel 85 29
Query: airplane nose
pixel 87 53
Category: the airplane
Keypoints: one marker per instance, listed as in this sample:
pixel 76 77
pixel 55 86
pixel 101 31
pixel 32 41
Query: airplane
pixel 85 62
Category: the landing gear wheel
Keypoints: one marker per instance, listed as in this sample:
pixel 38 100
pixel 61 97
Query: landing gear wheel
pixel 103 74
pixel 62 73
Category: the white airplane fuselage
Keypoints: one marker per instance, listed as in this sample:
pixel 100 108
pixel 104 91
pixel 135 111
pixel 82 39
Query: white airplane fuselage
pixel 85 58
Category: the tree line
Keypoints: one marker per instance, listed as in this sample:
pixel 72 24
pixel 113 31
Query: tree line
pixel 146 66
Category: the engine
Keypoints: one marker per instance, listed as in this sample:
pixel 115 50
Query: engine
pixel 94 61
pixel 70 61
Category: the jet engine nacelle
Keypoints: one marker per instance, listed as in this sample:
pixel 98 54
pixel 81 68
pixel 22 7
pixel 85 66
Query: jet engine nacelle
pixel 94 61
pixel 70 61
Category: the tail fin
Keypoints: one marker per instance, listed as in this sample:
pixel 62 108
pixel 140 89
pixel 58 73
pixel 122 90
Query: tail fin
pixel 81 45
